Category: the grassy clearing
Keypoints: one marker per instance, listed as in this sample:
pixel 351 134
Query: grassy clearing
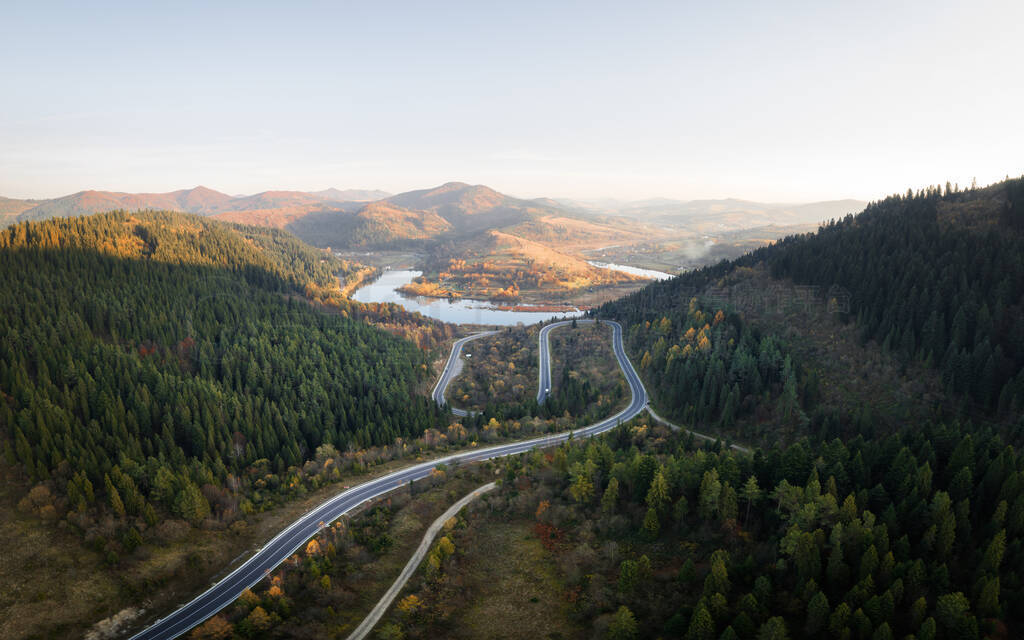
pixel 517 592
pixel 499 583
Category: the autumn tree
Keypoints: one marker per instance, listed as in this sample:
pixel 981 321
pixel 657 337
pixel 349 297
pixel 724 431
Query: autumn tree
pixel 216 628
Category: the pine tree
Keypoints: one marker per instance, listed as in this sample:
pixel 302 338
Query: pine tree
pixel 773 629
pixel 708 497
pixel 657 495
pixel 190 503
pixel 750 493
pixel 114 497
pixel 652 526
pixel 702 626
pixel 818 612
pixel 610 497
pixel 623 625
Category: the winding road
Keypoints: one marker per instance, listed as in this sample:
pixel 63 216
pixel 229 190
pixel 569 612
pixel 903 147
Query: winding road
pixel 284 544
pixel 452 369
pixel 544 358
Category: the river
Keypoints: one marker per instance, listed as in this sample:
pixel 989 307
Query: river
pixel 385 289
pixel 636 271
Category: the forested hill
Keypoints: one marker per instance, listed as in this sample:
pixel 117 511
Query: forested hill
pixel 278 258
pixel 920 533
pixel 934 277
pixel 160 362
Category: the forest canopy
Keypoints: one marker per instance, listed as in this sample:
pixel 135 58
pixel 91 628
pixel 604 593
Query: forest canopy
pixel 146 355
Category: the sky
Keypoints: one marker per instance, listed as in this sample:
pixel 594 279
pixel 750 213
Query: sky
pixel 771 101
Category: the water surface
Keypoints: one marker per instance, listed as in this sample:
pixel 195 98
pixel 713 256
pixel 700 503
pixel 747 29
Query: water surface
pixel 385 289
pixel 636 271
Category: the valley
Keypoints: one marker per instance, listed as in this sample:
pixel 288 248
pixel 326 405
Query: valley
pixel 471 242
pixel 512 321
pixel 773 386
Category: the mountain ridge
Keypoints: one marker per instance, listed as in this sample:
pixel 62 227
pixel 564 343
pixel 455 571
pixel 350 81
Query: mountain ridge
pixel 198 200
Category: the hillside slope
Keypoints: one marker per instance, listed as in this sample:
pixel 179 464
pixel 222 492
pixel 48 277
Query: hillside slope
pixel 197 200
pixel 266 207
pixel 934 279
pixel 380 224
pixel 11 208
pixel 162 377
pixel 468 207
pixel 878 365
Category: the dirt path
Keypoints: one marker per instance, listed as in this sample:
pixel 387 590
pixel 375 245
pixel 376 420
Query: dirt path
pixel 378 611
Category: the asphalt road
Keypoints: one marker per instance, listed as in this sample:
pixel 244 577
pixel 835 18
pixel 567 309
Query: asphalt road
pixel 452 369
pixel 284 544
pixel 544 368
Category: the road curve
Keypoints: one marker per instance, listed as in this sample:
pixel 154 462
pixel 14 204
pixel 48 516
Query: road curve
pixel 366 626
pixel 452 369
pixel 285 543
pixel 544 357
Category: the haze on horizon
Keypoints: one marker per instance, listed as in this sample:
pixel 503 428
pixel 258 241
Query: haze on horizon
pixel 791 102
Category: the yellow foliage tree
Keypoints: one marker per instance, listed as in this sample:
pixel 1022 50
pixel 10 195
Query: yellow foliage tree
pixel 248 599
pixel 216 628
pixel 446 547
pixel 409 604
pixel 541 508
pixel 704 344
pixel 258 619
pixel 313 548
pixel 433 562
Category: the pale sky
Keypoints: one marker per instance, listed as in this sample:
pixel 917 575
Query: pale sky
pixel 776 101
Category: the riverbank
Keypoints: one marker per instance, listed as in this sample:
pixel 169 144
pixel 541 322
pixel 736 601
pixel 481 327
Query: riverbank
pixel 387 288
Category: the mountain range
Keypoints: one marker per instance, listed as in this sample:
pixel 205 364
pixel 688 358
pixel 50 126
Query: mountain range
pixel 716 215
pixel 493 237
pixel 200 200
pixel 466 208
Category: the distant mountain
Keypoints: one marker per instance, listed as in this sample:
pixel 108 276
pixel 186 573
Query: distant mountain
pixel 457 221
pixel 452 197
pixel 198 200
pixel 351 195
pixel 14 206
pixel 201 200
pixel 380 224
pixel 471 208
pixel 718 215
pixel 272 200
pixel 270 208
pixel 11 208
